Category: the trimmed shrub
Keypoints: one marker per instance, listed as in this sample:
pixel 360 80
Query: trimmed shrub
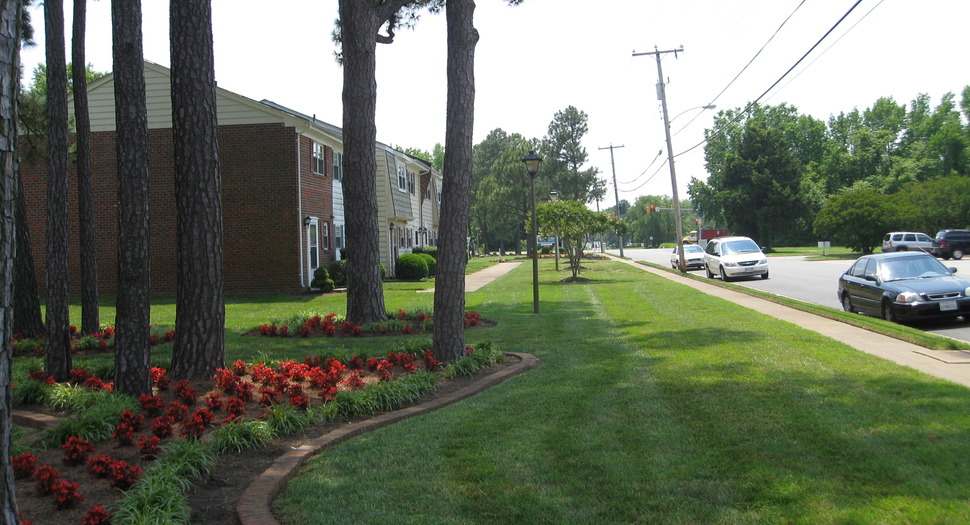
pixel 338 272
pixel 432 263
pixel 411 267
pixel 322 280
pixel 430 250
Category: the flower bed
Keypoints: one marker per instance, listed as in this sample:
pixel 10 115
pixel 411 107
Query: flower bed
pixel 78 479
pixel 333 325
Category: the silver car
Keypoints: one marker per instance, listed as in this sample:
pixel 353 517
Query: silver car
pixel 732 257
pixel 693 257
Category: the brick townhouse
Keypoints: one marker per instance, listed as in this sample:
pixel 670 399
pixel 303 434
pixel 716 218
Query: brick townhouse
pixel 278 172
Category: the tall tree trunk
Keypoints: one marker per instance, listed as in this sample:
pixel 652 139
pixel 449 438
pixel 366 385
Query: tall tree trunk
pixel 359 24
pixel 90 315
pixel 449 295
pixel 10 20
pixel 57 345
pixel 27 320
pixel 200 311
pixel 133 316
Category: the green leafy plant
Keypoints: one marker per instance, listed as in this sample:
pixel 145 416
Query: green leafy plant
pixel 431 261
pixel 322 280
pixel 411 267
pixel 236 436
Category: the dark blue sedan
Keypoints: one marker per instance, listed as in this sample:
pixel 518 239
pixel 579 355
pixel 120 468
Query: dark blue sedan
pixel 904 286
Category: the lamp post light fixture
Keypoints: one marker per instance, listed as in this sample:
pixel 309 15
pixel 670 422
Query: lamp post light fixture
pixel 554 197
pixel 532 162
pixel 306 221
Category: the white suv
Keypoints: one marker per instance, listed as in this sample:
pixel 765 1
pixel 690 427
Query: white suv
pixel 732 257
pixel 903 241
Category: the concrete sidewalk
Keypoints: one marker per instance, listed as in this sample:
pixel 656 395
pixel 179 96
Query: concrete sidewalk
pixel 480 278
pixel 950 365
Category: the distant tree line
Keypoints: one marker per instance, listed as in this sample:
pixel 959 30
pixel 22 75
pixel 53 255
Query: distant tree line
pixel 787 178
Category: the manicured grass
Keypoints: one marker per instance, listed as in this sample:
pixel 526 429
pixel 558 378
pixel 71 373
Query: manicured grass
pixel 875 324
pixel 657 404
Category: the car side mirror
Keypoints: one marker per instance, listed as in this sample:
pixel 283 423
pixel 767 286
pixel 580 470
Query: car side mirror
pixel 872 278
pixel 953 269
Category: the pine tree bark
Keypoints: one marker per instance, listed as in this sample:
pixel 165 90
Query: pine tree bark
pixel 449 296
pixel 10 23
pixel 90 314
pixel 360 22
pixel 133 316
pixel 200 310
pixel 57 345
pixel 27 320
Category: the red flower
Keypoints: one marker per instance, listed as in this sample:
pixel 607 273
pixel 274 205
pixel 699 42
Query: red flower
pixel 162 427
pixel 65 494
pixel 76 450
pixel 185 393
pixel 79 375
pixel 98 515
pixel 100 465
pixel 122 475
pixel 169 336
pixel 159 379
pixel 239 368
pixel 152 405
pixel 305 330
pixel 149 447
pixel 214 402
pixel 24 465
pixel 46 476
pixel 177 411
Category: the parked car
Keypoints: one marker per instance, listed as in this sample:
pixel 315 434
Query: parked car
pixel 904 286
pixel 904 241
pixel 732 257
pixel 693 257
pixel 951 243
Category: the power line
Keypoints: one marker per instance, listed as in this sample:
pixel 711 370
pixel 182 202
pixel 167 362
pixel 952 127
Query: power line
pixel 745 68
pixel 721 129
pixel 659 153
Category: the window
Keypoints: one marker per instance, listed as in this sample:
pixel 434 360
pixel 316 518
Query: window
pixel 410 238
pixel 338 237
pixel 411 182
pixel 319 159
pixel 326 236
pixel 338 166
pixel 402 179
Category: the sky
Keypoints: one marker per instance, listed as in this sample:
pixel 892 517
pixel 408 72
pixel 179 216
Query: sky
pixel 542 56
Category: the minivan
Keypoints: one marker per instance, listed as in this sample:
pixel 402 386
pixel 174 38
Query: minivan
pixel 951 243
pixel 906 241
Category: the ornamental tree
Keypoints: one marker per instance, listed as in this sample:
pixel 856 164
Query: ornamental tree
pixel 574 223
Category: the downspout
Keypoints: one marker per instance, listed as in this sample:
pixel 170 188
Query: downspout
pixel 299 206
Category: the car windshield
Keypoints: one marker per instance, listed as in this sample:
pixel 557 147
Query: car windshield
pixel 688 248
pixel 741 246
pixel 911 268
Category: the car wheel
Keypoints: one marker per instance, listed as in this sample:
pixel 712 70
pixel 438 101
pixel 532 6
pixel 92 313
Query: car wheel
pixel 724 276
pixel 901 249
pixel 888 313
pixel 764 275
pixel 710 275
pixel 847 304
pixel 958 253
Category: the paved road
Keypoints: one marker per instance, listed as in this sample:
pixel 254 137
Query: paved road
pixel 810 281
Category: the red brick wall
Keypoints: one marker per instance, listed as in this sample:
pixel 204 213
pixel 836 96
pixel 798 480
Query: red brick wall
pixel 262 228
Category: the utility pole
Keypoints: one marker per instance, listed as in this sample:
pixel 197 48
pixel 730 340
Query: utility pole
pixel 662 96
pixel 616 191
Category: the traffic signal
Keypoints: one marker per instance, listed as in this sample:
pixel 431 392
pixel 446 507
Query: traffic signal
pixel 696 220
pixel 651 208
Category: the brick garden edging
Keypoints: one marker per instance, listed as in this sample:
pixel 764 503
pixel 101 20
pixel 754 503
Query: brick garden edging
pixel 254 505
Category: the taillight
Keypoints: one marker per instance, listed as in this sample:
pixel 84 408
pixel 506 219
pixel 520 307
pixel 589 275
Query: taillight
pixel 942 243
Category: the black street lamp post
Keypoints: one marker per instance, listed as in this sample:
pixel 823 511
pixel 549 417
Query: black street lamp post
pixel 532 162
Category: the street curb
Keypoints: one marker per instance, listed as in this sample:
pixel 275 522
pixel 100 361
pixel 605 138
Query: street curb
pixel 255 504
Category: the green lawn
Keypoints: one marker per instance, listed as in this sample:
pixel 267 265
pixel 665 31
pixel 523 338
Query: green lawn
pixel 657 404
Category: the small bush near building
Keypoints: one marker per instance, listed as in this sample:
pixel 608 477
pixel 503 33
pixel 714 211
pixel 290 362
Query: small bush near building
pixel 322 280
pixel 432 263
pixel 338 272
pixel 430 250
pixel 411 267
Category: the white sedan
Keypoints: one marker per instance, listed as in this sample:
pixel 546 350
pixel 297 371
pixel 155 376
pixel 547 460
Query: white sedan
pixel 693 257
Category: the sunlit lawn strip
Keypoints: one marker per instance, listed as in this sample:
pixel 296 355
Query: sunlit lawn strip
pixel 656 403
